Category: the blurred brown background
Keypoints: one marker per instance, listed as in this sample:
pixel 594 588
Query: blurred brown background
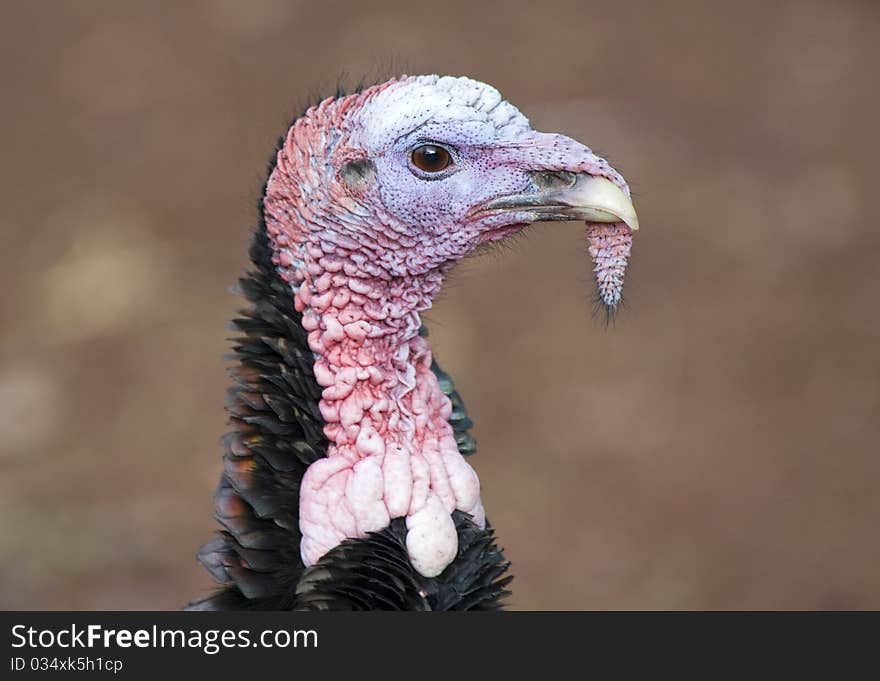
pixel 716 448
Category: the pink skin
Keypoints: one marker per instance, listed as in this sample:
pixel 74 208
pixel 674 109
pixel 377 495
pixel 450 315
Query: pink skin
pixel 365 254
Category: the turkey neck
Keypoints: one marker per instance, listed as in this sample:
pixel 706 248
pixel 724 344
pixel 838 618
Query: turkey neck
pixel 373 366
pixel 393 452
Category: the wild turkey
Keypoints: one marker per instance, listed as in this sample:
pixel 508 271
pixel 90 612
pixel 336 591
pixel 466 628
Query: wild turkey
pixel 346 482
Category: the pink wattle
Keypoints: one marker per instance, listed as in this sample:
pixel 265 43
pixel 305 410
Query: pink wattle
pixel 393 453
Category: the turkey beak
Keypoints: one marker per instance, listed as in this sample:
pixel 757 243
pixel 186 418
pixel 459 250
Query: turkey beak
pixel 572 196
pixel 597 199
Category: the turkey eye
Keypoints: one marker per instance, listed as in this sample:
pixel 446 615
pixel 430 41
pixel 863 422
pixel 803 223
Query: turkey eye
pixel 431 158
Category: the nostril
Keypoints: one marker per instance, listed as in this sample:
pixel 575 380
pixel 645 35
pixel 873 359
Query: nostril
pixel 553 179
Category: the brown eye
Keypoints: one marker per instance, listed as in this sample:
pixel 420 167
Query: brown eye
pixel 431 158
